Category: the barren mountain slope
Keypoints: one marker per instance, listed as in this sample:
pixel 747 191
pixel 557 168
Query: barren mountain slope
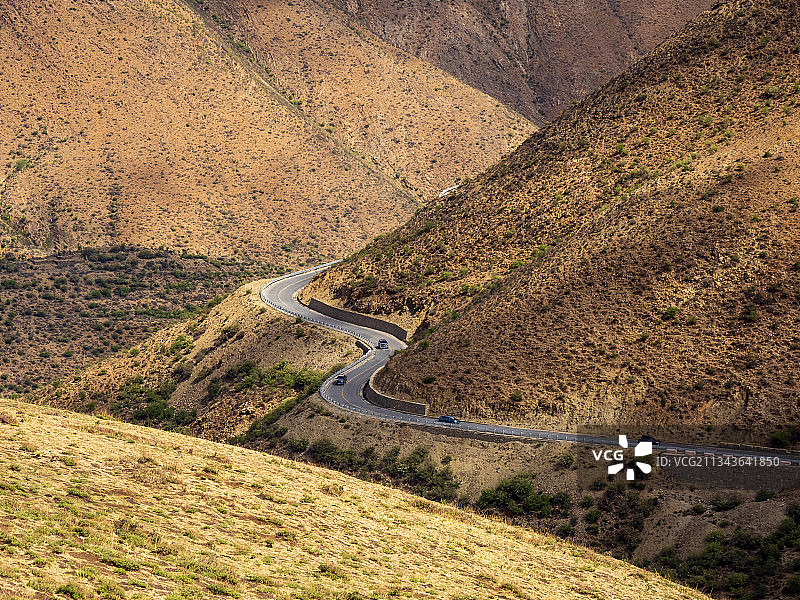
pixel 637 260
pixel 142 123
pixel 534 56
pixel 399 113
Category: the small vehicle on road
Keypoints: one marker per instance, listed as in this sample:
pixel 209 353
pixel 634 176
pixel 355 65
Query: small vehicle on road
pixel 449 419
pixel 651 439
pixel 382 345
pixel 340 380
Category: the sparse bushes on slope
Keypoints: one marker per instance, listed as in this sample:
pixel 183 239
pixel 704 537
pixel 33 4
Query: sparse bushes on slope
pixel 517 496
pixel 149 405
pixel 305 382
pixel 416 470
pixel 741 563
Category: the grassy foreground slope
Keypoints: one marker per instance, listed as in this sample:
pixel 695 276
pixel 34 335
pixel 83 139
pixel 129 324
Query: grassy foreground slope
pixel 638 261
pixel 94 508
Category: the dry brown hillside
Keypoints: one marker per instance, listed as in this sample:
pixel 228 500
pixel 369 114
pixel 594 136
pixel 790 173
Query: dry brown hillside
pixel 638 260
pixel 401 114
pixel 534 56
pixel 150 123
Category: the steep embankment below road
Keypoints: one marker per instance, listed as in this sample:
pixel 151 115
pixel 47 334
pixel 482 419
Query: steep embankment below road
pixel 213 374
pixel 638 260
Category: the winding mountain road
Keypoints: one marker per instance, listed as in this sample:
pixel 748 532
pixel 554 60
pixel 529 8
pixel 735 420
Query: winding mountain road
pixel 281 294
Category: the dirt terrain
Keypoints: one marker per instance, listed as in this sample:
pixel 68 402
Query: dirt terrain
pixel 153 123
pixel 536 57
pixel 635 263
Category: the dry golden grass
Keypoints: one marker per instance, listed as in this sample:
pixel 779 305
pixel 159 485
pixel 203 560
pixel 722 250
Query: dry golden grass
pixel 113 510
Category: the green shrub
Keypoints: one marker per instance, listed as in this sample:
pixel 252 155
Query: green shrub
pixel 764 495
pixel 214 389
pixel 720 503
pixel 78 493
pixel 179 344
pixel 298 446
pixel 566 460
pixel 750 313
pixel 735 582
pixel 221 590
pixel 71 590
pixel 331 570
pixel 781 439
pixel 565 530
pixel 517 496
pixel 120 562
pixel 792 586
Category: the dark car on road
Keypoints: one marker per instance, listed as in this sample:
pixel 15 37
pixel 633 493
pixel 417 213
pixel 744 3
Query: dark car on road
pixel 382 345
pixel 651 439
pixel 449 419
pixel 340 380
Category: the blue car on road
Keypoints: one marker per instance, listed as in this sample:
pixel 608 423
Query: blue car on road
pixel 449 419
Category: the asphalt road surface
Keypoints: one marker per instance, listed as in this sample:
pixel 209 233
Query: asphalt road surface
pixel 281 294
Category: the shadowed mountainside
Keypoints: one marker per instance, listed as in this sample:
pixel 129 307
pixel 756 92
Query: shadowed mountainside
pixel 534 56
